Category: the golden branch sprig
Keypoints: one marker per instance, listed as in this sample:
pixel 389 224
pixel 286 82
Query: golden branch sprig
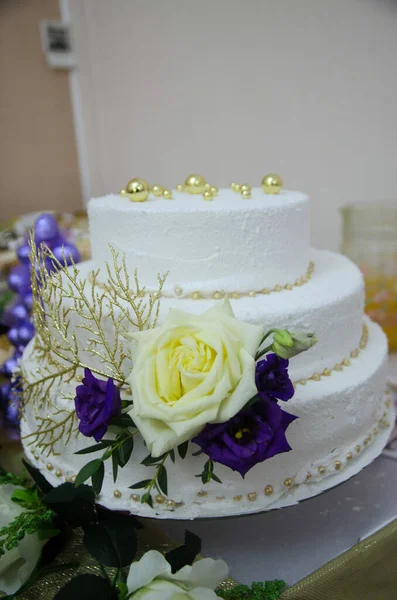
pixel 50 430
pixel 100 347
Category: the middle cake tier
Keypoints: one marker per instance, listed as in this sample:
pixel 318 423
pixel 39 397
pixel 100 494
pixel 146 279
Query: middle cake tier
pixel 330 304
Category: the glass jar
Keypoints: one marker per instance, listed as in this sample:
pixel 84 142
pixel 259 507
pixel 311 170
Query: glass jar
pixel 370 240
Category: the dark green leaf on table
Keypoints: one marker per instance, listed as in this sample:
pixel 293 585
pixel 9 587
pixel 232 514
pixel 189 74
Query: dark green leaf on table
pixel 38 478
pixel 75 505
pixel 87 587
pixel 111 542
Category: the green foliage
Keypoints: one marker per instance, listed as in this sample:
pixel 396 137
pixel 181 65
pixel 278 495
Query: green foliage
pixel 159 481
pixel 208 473
pixel 268 590
pixel 119 450
pixel 30 521
pixel 11 478
pixel 75 505
pixel 186 554
pixel 112 541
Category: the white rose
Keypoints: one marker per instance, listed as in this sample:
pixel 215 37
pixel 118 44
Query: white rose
pixel 16 565
pixel 190 371
pixel 151 579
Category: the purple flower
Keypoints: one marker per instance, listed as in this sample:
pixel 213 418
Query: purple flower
pixel 96 403
pixel 252 436
pixel 272 379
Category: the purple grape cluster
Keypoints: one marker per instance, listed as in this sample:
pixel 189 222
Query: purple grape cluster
pixel 18 315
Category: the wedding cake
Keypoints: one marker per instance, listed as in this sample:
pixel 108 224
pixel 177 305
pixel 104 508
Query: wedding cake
pixel 149 372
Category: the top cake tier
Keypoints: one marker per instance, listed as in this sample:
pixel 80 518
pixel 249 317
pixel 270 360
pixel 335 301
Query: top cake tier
pixel 229 244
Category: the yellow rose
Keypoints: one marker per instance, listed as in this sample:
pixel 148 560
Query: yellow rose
pixel 190 371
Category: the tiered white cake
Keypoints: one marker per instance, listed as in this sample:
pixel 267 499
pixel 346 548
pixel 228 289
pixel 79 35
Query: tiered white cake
pixel 257 252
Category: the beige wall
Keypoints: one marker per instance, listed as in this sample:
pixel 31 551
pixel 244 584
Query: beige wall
pixel 237 88
pixel 38 160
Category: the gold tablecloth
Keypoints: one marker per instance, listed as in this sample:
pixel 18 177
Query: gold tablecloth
pixel 368 571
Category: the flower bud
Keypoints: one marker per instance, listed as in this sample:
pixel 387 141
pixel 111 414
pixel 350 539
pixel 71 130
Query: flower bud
pixel 287 344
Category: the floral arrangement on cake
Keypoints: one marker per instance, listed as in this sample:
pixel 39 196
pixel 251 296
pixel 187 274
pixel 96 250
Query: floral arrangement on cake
pixel 205 383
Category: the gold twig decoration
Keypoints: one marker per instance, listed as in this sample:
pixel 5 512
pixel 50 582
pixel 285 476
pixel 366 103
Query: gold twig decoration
pixel 62 356
pixel 50 431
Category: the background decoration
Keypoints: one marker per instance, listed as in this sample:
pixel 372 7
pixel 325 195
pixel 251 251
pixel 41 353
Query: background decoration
pixel 17 315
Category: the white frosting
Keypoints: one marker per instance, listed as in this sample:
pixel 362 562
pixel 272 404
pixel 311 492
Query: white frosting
pixel 228 244
pixel 336 414
pixel 330 304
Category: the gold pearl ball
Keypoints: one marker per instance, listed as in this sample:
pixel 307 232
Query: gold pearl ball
pixel 135 497
pixel 137 190
pixel 349 456
pixel 117 494
pixel 217 295
pixel 157 190
pixel 178 291
pixel 207 195
pixel 272 183
pixel 180 187
pixel 207 186
pixel 268 490
pixel 288 482
pixel 246 194
pixel 195 184
pixel 214 190
pixel 50 467
pixel 245 187
pixel 237 498
pixel 235 187
pixel 73 478
pixel 58 473
pixel 338 465
pixel 196 295
pixel 167 194
pixel 358 448
pixel 251 496
pixel 171 503
pixel 252 294
pixel 160 499
pixel 322 470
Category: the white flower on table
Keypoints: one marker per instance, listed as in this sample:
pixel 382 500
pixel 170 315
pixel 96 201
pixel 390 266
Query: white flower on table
pixel 151 578
pixel 190 371
pixel 16 565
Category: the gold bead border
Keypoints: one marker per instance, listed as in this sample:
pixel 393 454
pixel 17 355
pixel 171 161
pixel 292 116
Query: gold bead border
pixel 219 295
pixel 317 472
pixel 346 362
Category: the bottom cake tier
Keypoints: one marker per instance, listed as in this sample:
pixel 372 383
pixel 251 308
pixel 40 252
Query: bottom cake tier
pixel 345 418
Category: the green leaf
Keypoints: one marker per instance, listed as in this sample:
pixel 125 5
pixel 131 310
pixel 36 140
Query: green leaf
pixel 88 471
pixel 186 554
pixel 162 479
pixel 46 534
pixel 215 478
pixel 115 464
pixel 140 484
pixel 147 499
pixel 75 505
pixel 123 421
pixel 97 479
pixel 89 587
pixel 150 460
pixel 172 455
pixel 97 447
pixel 253 401
pixel 125 451
pixel 112 542
pixel 198 452
pixel 38 478
pixel 182 449
pixel 28 498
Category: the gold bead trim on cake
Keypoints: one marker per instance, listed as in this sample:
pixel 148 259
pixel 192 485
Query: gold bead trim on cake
pixel 219 295
pixel 345 362
pixel 317 473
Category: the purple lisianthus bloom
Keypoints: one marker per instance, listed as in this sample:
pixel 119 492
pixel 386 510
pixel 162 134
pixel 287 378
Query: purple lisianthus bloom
pixel 252 436
pixel 272 379
pixel 96 403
